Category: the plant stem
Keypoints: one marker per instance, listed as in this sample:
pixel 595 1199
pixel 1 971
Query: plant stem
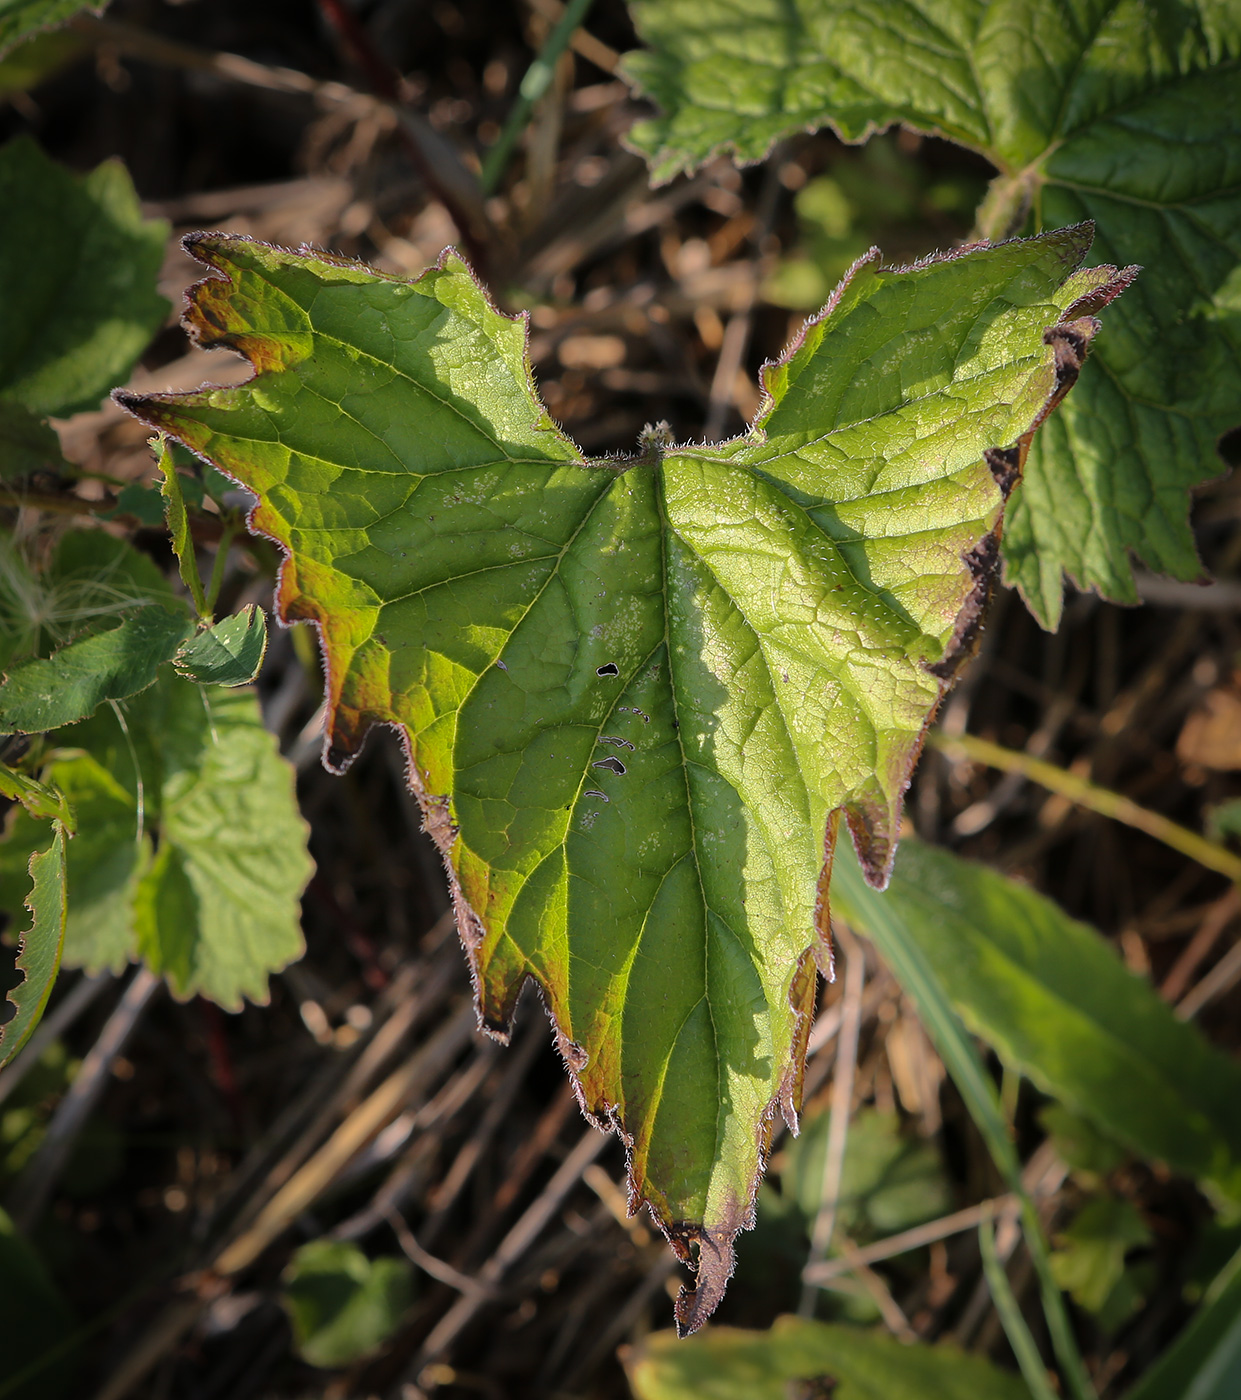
pixel 217 569
pixel 1091 796
pixel 533 86
pixel 1015 1328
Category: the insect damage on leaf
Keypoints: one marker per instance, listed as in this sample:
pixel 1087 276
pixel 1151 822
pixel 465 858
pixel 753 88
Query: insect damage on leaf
pixel 636 695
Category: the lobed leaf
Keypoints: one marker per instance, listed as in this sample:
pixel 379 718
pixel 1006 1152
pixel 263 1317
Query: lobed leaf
pixel 1097 111
pixel 1059 1006
pixel 38 955
pixel 636 694
pixel 190 853
pixel 728 1363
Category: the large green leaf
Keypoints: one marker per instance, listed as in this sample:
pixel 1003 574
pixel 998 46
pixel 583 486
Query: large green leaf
pixel 215 909
pixel 1061 1007
pixel 1112 110
pixel 727 1363
pixel 38 954
pixel 635 693
pixel 78 264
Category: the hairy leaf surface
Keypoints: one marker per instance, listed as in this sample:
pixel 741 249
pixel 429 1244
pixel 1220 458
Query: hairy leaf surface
pixel 38 954
pixel 1105 110
pixel 635 694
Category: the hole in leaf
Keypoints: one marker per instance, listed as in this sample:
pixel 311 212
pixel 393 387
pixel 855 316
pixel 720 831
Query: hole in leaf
pixel 609 670
pixel 614 764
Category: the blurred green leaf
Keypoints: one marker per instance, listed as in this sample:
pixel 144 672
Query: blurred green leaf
pixel 1204 1363
pixel 343 1305
pixel 41 942
pixel 68 686
pixel 217 909
pixel 890 1181
pixel 1224 819
pixel 27 443
pixel 1060 1007
pixel 725 1363
pixel 31 60
pixel 230 653
pixel 1089 1256
pixel 1078 1141
pixel 22 19
pixel 36 1323
pixel 79 264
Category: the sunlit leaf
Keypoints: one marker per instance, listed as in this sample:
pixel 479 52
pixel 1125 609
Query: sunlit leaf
pixel 636 693
pixel 39 944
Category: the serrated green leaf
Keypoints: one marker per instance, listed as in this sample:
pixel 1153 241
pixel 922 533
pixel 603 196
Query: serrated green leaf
pixel 179 529
pixel 726 1363
pixel 1104 110
pixel 78 263
pixel 22 19
pixel 72 683
pixel 39 799
pixel 230 653
pixel 216 911
pixel 636 693
pixel 343 1305
pixel 1059 1006
pixel 38 956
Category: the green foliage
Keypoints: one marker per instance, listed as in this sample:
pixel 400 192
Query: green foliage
pixel 39 951
pixel 343 1305
pixel 1089 1259
pixel 78 264
pixel 194 860
pixel 636 693
pixel 1060 1007
pixel 726 1363
pixel 1104 111
pixel 1204 1363
pixel 230 653
pixel 21 20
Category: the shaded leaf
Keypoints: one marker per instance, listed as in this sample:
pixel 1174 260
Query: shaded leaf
pixel 179 528
pixel 71 684
pixel 726 1363
pixel 1089 1258
pixel 38 956
pixel 1204 1363
pixel 1102 111
pixel 216 911
pixel 78 263
pixel 22 19
pixel 27 444
pixel 230 653
pixel 36 1323
pixel 343 1305
pixel 1059 1006
pixel 636 693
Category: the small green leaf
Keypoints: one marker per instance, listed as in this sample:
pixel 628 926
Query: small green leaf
pixel 144 503
pixel 217 910
pixel 21 19
pixel 38 957
pixel 230 653
pixel 343 1305
pixel 1079 1143
pixel 1089 1259
pixel 1204 1363
pixel 78 263
pixel 70 685
pixel 1061 1008
pixel 27 444
pixel 726 1363
pixel 636 694
pixel 39 799
pixel 1096 112
pixel 179 529
pixel 890 1182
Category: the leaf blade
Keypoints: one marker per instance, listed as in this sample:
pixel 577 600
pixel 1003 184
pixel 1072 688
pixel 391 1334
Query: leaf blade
pixel 41 944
